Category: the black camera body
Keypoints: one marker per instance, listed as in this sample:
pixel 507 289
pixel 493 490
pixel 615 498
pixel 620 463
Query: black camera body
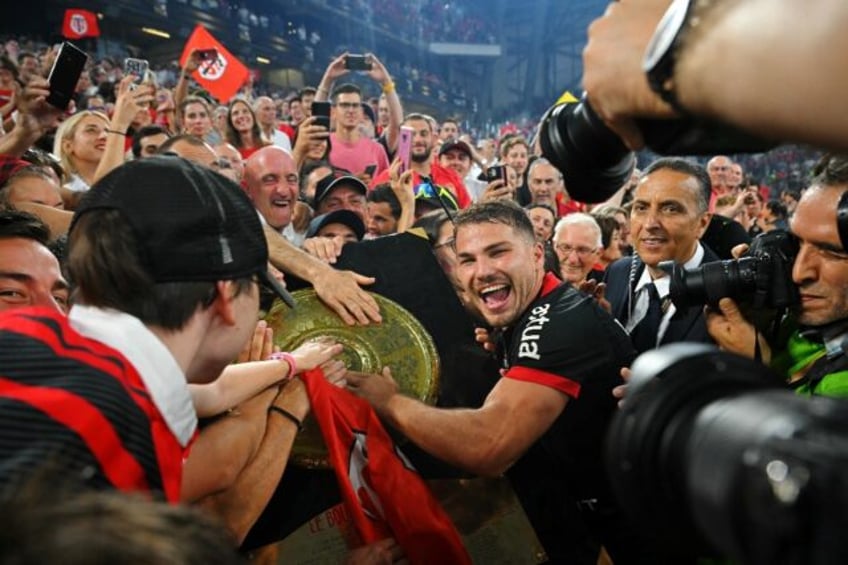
pixel 594 161
pixel 761 279
pixel 711 456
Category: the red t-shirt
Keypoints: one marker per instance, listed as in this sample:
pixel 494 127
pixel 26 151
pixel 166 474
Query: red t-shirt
pixel 288 130
pixel 441 176
pixel 570 207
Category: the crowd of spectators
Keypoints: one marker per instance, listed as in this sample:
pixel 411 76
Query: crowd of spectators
pixel 309 173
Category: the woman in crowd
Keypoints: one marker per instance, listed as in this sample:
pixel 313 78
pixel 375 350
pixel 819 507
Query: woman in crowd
pixel 242 128
pixel 79 144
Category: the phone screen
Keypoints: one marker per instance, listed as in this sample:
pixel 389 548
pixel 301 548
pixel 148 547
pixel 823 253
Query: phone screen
pixel 136 67
pixel 321 111
pixel 67 68
pixel 404 151
pixel 357 63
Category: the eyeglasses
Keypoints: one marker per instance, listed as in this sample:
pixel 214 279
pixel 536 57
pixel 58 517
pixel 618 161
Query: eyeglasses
pixel 566 250
pixel 348 105
pixel 447 242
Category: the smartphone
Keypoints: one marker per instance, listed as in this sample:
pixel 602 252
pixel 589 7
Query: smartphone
pixel 358 63
pixel 404 151
pixel 137 68
pixel 67 68
pixel 496 172
pixel 369 170
pixel 321 111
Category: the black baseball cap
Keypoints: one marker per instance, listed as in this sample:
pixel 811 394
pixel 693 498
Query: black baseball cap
pixel 191 223
pixel 455 144
pixel 344 217
pixel 333 181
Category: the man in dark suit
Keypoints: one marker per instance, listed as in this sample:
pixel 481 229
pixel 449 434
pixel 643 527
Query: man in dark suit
pixel 668 218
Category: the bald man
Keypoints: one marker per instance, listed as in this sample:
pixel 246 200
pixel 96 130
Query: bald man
pixel 271 181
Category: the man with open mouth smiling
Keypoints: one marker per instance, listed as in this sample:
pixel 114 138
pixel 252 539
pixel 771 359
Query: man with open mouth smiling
pixel 543 422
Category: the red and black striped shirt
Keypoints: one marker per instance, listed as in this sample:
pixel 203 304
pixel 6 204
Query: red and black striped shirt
pixel 77 408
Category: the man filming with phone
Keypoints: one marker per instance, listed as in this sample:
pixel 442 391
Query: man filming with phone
pixel 350 150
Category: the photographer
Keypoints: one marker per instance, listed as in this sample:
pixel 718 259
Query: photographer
pixel 813 360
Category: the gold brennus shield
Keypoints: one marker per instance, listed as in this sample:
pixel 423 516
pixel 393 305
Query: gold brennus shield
pixel 399 342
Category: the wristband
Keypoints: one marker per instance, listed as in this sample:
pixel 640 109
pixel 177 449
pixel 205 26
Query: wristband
pixel 389 87
pixel 187 76
pixel 107 130
pixel 288 358
pixel 287 415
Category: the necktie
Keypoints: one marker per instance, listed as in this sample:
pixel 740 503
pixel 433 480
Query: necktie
pixel 644 335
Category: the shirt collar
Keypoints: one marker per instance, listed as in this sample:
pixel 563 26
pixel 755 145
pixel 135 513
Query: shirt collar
pixel 162 376
pixel 663 283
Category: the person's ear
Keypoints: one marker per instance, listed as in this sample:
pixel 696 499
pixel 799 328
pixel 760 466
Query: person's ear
pixel 224 303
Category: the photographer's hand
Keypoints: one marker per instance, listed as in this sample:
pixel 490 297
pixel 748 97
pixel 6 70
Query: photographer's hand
pixel 613 77
pixel 732 332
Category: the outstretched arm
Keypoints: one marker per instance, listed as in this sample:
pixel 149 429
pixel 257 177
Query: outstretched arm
pixel 486 440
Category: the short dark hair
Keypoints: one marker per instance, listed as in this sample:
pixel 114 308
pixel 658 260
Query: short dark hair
pixel 44 159
pixel 146 131
pixel 690 168
pixel 346 88
pixel 534 205
pixel 306 170
pixel 777 208
pixel 295 98
pixel 30 171
pixel 608 225
pixel 503 212
pixel 194 100
pixel 384 193
pixel 187 137
pixel 432 223
pixel 104 264
pixel 14 223
pixel 49 519
pixel 830 170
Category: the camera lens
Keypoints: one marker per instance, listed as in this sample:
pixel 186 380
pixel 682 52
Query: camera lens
pixel 649 442
pixel 711 282
pixel 592 159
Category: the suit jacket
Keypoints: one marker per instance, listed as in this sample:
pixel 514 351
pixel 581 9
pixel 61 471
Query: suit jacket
pixel 685 325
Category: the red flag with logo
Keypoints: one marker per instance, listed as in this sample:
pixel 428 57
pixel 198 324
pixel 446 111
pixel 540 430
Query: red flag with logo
pixel 222 76
pixel 79 24
pixel 384 494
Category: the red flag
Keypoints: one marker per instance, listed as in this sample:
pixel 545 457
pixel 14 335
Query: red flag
pixel 79 24
pixel 223 76
pixel 382 491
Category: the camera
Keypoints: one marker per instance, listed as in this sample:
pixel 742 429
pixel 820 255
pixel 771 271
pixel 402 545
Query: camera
pixel 762 279
pixel 595 163
pixel 711 456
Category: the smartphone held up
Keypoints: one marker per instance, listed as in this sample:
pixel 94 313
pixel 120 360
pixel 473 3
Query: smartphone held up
pixel 404 151
pixel 358 63
pixel 63 77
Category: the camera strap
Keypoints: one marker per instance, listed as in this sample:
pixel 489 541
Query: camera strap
pixel 821 368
